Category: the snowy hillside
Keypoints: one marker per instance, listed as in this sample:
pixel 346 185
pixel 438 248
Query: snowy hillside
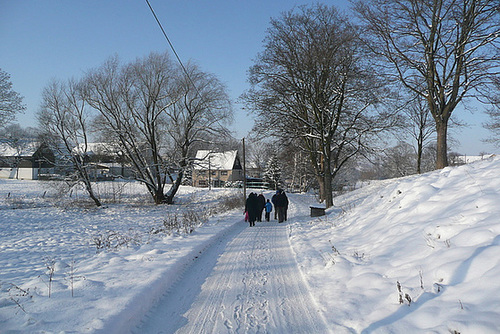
pixel 417 254
pixel 438 235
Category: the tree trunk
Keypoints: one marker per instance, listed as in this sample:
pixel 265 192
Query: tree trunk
pixel 85 178
pixel 328 193
pixel 169 197
pixel 321 183
pixel 159 196
pixel 420 149
pixel 90 191
pixel 94 198
pixel 419 160
pixel 442 146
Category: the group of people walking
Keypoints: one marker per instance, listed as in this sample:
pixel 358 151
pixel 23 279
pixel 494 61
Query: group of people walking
pixel 255 205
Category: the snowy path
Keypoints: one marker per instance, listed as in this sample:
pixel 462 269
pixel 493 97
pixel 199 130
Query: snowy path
pixel 248 282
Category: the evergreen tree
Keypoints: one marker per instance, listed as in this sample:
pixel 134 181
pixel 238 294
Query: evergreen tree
pixel 272 173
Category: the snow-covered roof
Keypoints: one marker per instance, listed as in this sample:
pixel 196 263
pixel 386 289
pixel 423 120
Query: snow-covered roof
pixel 206 159
pixel 25 150
pixel 96 148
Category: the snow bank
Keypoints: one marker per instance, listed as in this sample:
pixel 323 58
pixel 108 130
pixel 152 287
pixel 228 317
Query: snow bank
pixel 436 235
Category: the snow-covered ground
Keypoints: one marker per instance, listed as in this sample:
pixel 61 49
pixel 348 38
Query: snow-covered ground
pixel 432 239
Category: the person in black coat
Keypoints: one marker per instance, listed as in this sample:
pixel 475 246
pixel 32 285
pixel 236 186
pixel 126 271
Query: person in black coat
pixel 281 206
pixel 252 207
pixel 262 204
pixel 273 200
pixel 286 206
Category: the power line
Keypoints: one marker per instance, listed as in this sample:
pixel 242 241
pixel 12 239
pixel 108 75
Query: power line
pixel 180 61
pixel 172 47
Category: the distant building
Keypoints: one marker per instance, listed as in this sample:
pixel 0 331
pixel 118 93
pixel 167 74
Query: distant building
pixel 26 160
pixel 254 170
pixel 216 169
pixel 34 161
pixel 106 161
pixel 456 160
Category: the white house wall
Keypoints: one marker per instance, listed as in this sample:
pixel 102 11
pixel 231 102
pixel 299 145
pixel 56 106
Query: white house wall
pixel 24 173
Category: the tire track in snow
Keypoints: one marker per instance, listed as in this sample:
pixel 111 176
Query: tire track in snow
pixel 253 287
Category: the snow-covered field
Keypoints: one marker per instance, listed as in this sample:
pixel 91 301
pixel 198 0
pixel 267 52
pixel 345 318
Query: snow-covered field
pixel 432 239
pixel 40 230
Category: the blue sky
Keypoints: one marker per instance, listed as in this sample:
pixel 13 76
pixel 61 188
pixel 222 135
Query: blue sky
pixel 41 40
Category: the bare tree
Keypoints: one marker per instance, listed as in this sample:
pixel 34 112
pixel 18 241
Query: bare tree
pixel 157 113
pixel 64 119
pixel 258 153
pixel 314 86
pixel 494 126
pixel 420 127
pixel 11 102
pixel 196 118
pixel 16 132
pixel 443 50
pixel 494 113
pixel 130 100
pixel 399 161
pixel 297 170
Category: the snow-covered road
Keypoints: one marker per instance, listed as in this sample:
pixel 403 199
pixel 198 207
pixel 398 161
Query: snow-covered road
pixel 433 239
pixel 247 282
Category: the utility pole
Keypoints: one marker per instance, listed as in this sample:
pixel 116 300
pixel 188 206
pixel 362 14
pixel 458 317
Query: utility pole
pixel 244 174
pixel 209 173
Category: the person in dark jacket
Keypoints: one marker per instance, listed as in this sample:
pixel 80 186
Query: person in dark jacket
pixel 262 204
pixel 281 205
pixel 286 206
pixel 251 207
pixel 273 200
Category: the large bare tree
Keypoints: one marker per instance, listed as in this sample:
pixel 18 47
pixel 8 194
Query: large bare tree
pixel 313 86
pixel 64 118
pixel 156 112
pixel 197 118
pixel 130 100
pixel 443 50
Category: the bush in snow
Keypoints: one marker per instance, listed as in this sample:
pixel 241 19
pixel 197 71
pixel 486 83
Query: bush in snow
pixel 188 220
pixel 403 297
pixel 113 240
pixel 18 295
pixel 50 265
pixel 231 202
pixel 71 276
pixel 185 222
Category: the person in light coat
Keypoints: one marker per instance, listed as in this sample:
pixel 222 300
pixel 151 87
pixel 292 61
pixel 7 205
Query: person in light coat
pixel 269 208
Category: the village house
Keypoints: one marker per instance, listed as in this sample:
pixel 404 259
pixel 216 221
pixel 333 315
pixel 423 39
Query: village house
pixel 35 161
pixel 216 169
pixel 106 161
pixel 26 160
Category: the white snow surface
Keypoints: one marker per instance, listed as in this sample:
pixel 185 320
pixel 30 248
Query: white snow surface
pixel 436 236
